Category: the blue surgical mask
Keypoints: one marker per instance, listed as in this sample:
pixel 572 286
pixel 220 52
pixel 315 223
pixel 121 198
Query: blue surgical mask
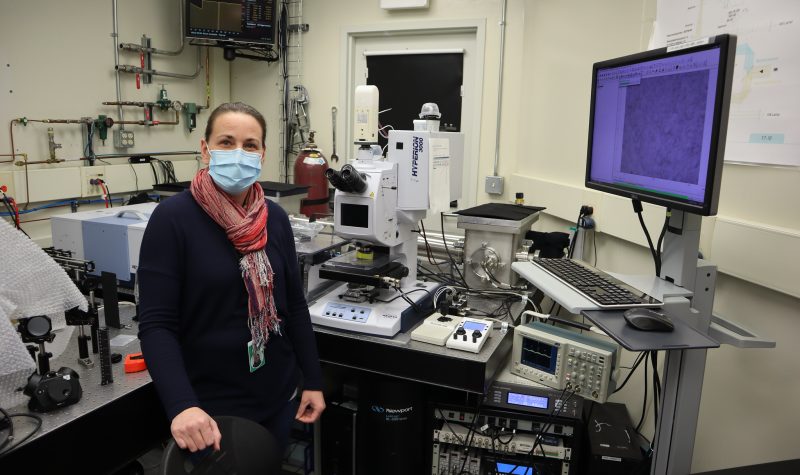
pixel 234 170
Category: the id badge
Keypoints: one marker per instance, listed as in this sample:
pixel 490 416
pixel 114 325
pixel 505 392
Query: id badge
pixel 255 356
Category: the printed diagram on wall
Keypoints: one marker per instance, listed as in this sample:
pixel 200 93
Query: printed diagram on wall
pixel 764 126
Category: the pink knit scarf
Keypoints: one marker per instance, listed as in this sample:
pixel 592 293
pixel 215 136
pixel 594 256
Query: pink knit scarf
pixel 246 227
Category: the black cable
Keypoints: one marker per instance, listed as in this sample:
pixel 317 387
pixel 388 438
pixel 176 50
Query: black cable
pixel 570 323
pixel 28 436
pixel 108 194
pixel 636 364
pixel 544 428
pixel 155 175
pixel 402 295
pixel 163 170
pixel 168 170
pixel 510 438
pixel 444 279
pixel 428 250
pixel 447 249
pixel 10 435
pixel 644 401
pixel 283 41
pixel 88 150
pixel 656 392
pixel 637 208
pixel 661 240
pixel 410 302
pixel 14 215
pixel 471 431
pixel 171 168
pixel 494 313
pixel 441 414
pixel 575 236
pixel 10 210
pixel 135 176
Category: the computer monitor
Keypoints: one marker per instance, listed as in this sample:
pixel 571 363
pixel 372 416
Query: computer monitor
pixel 238 21
pixel 658 122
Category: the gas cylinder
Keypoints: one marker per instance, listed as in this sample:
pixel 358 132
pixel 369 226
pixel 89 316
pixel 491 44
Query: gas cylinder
pixel 309 170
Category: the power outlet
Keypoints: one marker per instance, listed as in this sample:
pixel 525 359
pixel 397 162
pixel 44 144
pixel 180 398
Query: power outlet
pixel 494 185
pixel 123 138
pixel 87 174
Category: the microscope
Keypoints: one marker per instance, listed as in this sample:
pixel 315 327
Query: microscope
pixel 380 294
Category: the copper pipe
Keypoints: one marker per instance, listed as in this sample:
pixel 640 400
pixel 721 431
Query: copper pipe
pixel 27 187
pixel 13 156
pixel 152 154
pixel 154 122
pixel 11 133
pixel 113 155
pixel 39 162
pixel 127 68
pixel 59 121
pixel 129 103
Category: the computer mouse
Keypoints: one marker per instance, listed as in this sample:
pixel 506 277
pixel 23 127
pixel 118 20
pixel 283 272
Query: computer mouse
pixel 647 319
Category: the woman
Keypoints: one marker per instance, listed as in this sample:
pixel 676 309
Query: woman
pixel 223 321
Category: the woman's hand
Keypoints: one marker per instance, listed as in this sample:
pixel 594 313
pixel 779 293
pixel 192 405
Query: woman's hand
pixel 195 430
pixel 312 403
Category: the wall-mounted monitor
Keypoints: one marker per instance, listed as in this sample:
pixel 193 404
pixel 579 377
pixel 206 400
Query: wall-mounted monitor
pixel 658 122
pixel 238 21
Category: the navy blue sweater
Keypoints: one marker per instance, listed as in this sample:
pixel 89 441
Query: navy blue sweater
pixel 193 316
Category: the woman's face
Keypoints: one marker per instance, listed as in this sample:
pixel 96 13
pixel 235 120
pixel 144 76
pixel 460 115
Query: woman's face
pixel 233 130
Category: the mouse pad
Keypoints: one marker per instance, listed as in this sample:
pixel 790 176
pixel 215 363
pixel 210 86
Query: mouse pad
pixel 684 337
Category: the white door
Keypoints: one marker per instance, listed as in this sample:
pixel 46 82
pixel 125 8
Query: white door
pixel 419 39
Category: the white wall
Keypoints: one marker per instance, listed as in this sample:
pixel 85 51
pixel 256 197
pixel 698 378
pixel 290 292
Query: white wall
pixel 551 46
pixel 57 62
pixel 322 72
pixel 745 415
pixel 60 66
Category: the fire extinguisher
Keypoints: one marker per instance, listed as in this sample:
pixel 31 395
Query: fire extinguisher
pixel 309 170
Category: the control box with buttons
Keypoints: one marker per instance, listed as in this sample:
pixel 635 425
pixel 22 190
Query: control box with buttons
pixel 563 359
pixel 436 329
pixel 470 335
pixel 343 311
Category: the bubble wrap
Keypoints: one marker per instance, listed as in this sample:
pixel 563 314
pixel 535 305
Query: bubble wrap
pixel 16 364
pixel 31 284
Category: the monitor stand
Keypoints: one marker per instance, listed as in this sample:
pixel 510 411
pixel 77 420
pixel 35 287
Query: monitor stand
pixel 683 369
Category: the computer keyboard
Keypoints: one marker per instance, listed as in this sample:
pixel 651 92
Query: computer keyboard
pixel 601 288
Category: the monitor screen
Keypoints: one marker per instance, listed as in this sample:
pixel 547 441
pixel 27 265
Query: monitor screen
pixel 528 400
pixel 356 216
pixel 514 469
pixel 243 21
pixel 472 326
pixel 658 122
pixel 540 355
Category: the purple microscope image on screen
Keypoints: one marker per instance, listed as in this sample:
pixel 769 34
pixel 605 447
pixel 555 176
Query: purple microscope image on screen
pixel 653 124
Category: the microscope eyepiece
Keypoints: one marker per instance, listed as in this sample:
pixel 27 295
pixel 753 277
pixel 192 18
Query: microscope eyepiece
pixel 354 181
pixel 348 180
pixel 335 179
